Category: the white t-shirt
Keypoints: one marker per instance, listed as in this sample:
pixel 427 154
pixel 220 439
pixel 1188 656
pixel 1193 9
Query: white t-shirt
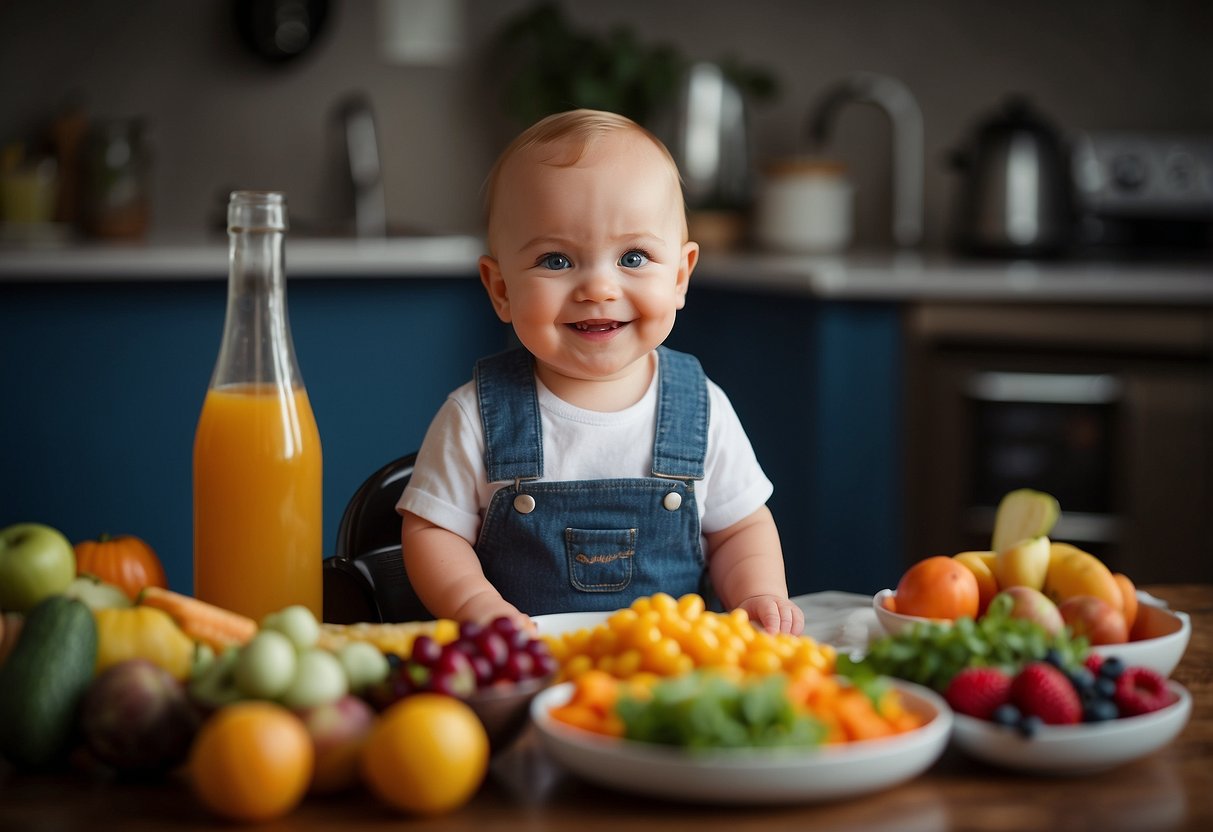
pixel 449 486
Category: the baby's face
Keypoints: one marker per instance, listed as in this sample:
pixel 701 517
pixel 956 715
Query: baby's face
pixel 589 262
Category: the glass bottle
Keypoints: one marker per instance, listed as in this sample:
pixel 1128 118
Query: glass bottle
pixel 258 539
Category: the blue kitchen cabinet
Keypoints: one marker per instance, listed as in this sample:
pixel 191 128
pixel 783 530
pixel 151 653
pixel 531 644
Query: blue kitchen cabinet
pixel 818 387
pixel 103 382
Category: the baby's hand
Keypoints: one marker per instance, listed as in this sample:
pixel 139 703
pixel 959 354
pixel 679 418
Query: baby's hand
pixel 774 614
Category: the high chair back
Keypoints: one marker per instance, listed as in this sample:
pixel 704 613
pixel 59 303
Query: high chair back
pixel 365 580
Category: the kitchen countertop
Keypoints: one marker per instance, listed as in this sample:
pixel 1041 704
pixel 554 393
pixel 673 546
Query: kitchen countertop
pixel 860 276
pixel 526 789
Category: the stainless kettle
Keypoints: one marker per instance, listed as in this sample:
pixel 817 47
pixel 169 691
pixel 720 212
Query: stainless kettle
pixel 1016 194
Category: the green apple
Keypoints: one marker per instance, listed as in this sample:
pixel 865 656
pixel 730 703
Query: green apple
pixel 1024 514
pixel 35 561
pixel 96 593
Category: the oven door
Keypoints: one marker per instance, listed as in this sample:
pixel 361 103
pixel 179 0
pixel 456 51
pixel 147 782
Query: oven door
pixel 1120 432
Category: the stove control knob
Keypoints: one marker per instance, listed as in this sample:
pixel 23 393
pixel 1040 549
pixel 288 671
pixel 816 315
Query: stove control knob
pixel 1128 172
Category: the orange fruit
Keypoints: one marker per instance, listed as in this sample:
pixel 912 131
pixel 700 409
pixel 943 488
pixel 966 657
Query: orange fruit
pixel 1128 594
pixel 938 587
pixel 427 754
pixel 251 761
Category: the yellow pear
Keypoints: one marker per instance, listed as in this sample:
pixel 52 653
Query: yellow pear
pixel 1081 573
pixel 1025 563
pixel 981 564
pixel 1023 514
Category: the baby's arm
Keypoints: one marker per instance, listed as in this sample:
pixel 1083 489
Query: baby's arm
pixel 746 565
pixel 445 572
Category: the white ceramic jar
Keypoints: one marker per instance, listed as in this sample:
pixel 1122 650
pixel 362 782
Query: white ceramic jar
pixel 805 207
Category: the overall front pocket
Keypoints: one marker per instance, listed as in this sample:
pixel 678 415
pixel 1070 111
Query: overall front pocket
pixel 600 560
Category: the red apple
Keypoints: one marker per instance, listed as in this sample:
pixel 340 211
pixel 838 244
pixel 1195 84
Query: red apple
pixel 338 730
pixel 1094 618
pixel 1034 605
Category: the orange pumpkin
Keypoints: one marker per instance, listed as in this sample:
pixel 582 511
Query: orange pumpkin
pixel 125 561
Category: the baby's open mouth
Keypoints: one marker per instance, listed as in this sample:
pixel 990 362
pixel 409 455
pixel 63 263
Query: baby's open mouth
pixel 596 326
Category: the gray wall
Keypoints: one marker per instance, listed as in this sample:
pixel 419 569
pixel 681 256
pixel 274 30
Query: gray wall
pixel 221 119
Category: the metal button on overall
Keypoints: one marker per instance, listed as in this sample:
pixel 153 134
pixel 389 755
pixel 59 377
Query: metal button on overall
pixel 524 504
pixel 672 501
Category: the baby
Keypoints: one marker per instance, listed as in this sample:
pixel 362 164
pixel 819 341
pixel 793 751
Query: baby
pixel 591 466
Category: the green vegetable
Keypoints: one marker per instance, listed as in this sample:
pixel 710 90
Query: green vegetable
pixel 931 653
pixel 706 710
pixel 43 680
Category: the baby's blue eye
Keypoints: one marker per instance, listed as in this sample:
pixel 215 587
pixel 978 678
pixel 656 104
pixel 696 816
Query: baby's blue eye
pixel 555 262
pixel 633 259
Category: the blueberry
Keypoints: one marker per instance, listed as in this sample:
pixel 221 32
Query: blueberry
pixel 1029 725
pixel 1105 687
pixel 1111 668
pixel 1053 656
pixel 1007 715
pixel 1082 679
pixel 1099 710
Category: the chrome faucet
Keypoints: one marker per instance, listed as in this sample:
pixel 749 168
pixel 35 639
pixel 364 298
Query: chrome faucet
pixel 357 123
pixel 892 96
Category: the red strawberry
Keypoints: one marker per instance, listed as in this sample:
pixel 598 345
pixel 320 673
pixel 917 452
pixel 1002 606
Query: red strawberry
pixel 978 691
pixel 1140 690
pixel 1042 690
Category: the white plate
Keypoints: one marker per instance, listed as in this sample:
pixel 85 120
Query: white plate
pixel 1074 749
pixel 747 776
pixel 559 623
pixel 1161 654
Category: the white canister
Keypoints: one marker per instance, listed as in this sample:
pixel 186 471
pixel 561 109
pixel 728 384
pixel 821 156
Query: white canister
pixel 805 206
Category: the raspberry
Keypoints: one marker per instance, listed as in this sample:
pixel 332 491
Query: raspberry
pixel 1140 690
pixel 1044 691
pixel 1093 662
pixel 978 691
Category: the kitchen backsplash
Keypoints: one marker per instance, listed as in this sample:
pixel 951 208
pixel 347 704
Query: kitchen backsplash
pixel 219 118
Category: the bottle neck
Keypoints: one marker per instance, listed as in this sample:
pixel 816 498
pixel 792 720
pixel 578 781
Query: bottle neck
pixel 257 348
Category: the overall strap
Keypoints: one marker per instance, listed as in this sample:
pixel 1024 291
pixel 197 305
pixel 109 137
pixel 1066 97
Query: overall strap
pixel 681 443
pixel 509 412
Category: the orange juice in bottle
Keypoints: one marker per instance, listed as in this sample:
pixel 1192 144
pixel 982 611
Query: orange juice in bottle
pixel 258 537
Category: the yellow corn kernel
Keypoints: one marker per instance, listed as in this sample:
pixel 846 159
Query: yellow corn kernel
pixel 664 602
pixel 603 642
pixel 703 645
pixel 577 665
pixel 691 606
pixel 762 661
pixel 627 664
pixel 641 634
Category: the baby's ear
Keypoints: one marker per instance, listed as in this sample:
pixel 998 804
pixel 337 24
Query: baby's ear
pixel 494 284
pixel 686 265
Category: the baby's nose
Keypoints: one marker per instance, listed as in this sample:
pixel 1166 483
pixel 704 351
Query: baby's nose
pixel 599 284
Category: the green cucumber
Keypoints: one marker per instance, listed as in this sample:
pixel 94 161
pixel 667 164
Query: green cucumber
pixel 43 680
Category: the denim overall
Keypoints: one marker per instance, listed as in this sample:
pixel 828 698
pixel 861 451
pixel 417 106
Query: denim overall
pixel 590 545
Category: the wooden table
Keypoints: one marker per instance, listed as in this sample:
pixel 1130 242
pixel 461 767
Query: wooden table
pixel 1171 789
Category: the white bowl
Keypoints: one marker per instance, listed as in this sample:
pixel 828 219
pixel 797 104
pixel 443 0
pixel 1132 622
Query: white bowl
pixel 1161 653
pixel 895 623
pixel 1074 749
pixel 747 776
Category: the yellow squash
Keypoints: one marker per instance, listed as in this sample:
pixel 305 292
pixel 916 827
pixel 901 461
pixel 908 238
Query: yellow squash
pixel 143 633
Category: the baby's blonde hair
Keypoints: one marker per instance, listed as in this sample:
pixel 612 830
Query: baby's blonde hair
pixel 577 129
